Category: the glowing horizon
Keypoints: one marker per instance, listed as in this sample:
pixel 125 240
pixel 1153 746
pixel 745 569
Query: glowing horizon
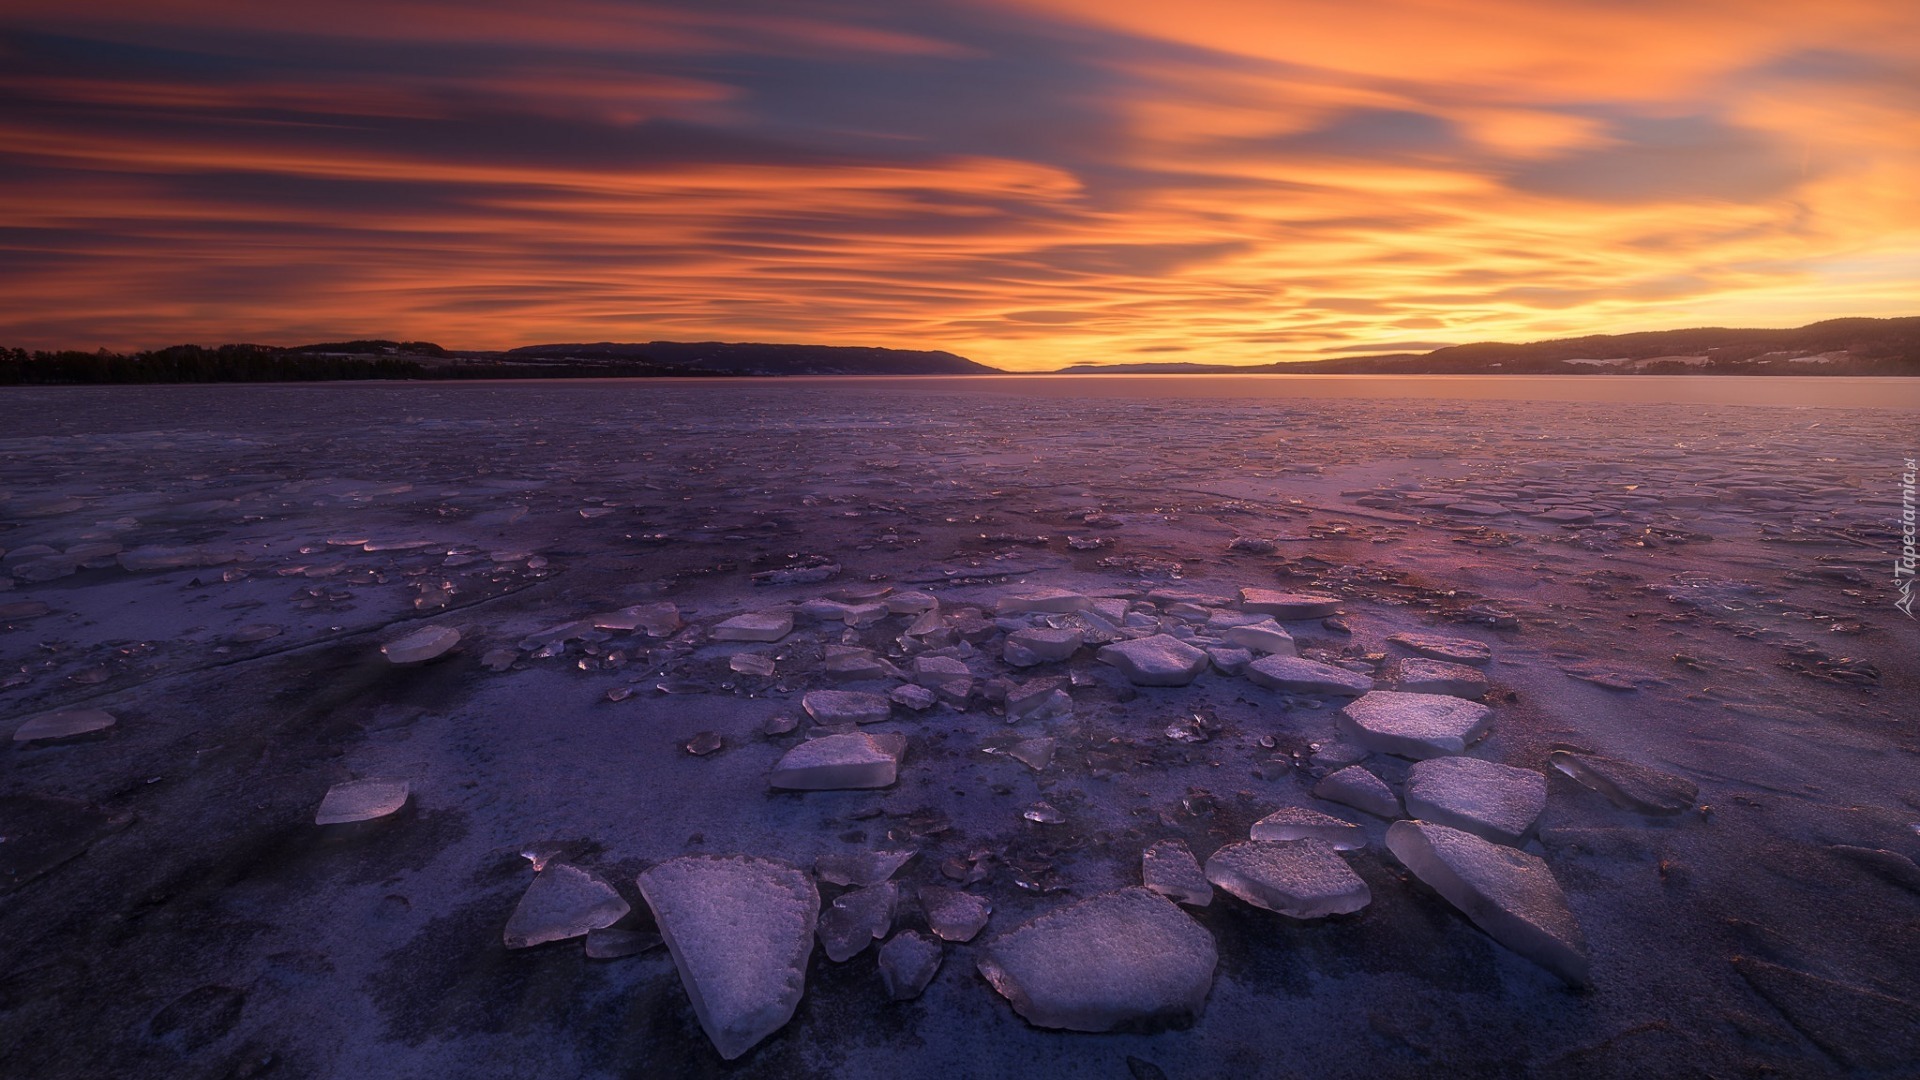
pixel 1028 183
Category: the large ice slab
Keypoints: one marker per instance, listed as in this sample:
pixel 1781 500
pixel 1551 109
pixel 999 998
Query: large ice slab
pixel 1416 726
pixel 852 760
pixel 1040 645
pixel 1302 879
pixel 1626 785
pixel 1160 660
pixel 1510 894
pixel 1421 675
pixel 740 929
pixel 1126 957
pixel 1265 636
pixel 563 902
pixel 1498 802
pixel 1298 675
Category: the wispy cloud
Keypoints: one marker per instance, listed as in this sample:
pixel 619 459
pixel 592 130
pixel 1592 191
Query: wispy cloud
pixel 1029 182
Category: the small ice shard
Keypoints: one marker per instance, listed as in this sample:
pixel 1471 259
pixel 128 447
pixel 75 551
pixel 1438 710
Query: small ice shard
pixel 253 632
pixel 740 930
pixel 857 919
pixel 52 727
pixel 1040 645
pixel 1169 868
pixel 619 693
pixel 755 626
pixel 912 603
pixel 908 963
pixel 860 868
pixel 1265 636
pixel 544 852
pixel 360 800
pixel 424 644
pixel 846 707
pixel 1300 823
pixel 1298 675
pixel 1127 957
pixel 1449 649
pixel 1033 753
pixel 953 915
pixel 1302 879
pixel 606 943
pixel 1288 605
pixel 563 902
pixel 853 760
pixel 1419 675
pixel 704 743
pixel 1496 802
pixel 1044 813
pixel 1415 726
pixel 746 663
pixel 1160 660
pixel 1628 786
pixel 917 698
pixel 1048 601
pixel 1356 787
pixel 780 724
pixel 1506 892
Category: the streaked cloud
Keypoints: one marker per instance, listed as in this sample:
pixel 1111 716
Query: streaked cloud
pixel 1028 182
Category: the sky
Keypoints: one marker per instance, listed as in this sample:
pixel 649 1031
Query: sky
pixel 1029 183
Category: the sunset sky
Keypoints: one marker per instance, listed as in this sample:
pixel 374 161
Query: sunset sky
pixel 1030 183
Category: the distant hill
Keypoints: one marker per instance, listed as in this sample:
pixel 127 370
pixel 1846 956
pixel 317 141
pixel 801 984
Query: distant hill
pixel 1832 347
pixel 756 359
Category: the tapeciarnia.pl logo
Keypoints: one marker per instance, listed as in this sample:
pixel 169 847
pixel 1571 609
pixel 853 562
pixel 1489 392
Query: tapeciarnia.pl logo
pixel 1903 565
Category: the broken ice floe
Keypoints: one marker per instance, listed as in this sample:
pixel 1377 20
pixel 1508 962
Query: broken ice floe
pixel 1298 675
pixel 857 919
pixel 1506 892
pixel 1169 868
pixel 1449 649
pixel 360 800
pixel 1355 786
pixel 1125 957
pixel 740 930
pixel 1420 675
pixel 907 964
pixel 563 902
pixel 953 915
pixel 849 760
pixel 760 626
pixel 1302 879
pixel 1159 660
pixel 860 868
pixel 1288 605
pixel 1497 802
pixel 1414 725
pixel 1300 823
pixel 53 727
pixel 830 707
pixel 424 644
pixel 1628 786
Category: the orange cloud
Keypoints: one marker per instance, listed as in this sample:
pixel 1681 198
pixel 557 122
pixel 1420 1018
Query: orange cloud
pixel 1028 182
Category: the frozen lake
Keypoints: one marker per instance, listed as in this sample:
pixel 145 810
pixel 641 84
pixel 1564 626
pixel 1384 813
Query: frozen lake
pixel 1685 584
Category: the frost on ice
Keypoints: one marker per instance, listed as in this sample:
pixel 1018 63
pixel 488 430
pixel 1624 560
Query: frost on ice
pixel 740 930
